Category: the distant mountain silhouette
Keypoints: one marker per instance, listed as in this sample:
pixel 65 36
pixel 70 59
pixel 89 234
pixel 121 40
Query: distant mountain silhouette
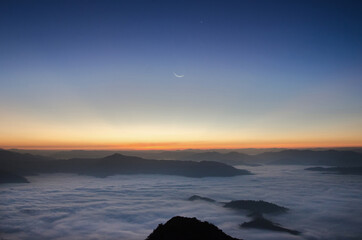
pixel 231 158
pixel 256 207
pixel 121 164
pixel 8 177
pixel 340 158
pixel 309 157
pixel 338 170
pixel 22 164
pixel 183 228
pixel 196 197
pixel 26 164
pixel 285 157
pixel 261 223
pixel 161 154
pixel 149 154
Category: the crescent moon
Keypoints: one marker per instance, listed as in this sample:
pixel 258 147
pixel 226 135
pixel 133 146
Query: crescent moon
pixel 179 76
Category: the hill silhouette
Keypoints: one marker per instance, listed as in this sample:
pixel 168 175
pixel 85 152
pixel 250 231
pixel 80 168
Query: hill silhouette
pixel 231 158
pixel 197 197
pixel 284 157
pixel 256 207
pixel 183 228
pixel 338 158
pixel 9 177
pixel 27 164
pixel 261 223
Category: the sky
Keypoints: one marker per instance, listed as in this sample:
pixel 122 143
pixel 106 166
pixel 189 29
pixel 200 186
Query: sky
pixel 101 74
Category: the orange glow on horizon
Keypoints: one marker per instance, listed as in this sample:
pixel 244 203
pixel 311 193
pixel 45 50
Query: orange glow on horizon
pixel 181 145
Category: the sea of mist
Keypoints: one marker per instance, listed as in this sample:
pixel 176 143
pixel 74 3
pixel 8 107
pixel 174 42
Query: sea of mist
pixel 129 207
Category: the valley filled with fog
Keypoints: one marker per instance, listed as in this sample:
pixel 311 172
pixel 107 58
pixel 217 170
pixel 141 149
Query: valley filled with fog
pixel 70 206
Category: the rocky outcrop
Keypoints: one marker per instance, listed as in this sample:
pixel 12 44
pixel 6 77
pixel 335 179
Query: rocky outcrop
pixel 183 228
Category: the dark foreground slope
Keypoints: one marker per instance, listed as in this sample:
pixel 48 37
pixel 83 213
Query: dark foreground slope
pixel 182 228
pixel 26 164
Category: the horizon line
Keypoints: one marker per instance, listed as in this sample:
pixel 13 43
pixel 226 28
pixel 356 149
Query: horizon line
pixel 166 149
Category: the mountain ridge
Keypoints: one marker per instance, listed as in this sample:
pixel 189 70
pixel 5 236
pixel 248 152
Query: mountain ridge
pixel 27 164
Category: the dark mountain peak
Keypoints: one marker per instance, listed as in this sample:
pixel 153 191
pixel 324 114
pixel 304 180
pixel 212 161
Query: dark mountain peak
pixel 261 223
pixel 197 197
pixel 12 156
pixel 256 207
pixel 231 158
pixel 116 155
pixel 114 164
pixel 184 228
pixel 211 163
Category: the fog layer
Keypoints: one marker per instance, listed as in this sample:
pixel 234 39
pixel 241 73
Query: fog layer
pixel 67 206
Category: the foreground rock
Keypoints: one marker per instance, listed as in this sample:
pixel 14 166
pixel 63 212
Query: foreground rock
pixel 256 207
pixel 261 223
pixel 197 197
pixel 183 228
pixel 338 170
pixel 8 177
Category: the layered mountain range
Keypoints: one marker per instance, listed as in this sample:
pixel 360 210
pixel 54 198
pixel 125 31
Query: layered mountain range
pixel 28 164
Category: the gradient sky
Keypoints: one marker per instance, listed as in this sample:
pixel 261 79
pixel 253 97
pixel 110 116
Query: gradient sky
pixel 99 74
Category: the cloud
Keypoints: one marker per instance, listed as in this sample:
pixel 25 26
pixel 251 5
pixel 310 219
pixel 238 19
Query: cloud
pixel 64 206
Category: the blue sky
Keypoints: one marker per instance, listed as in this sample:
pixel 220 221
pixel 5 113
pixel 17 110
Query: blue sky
pixel 78 73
